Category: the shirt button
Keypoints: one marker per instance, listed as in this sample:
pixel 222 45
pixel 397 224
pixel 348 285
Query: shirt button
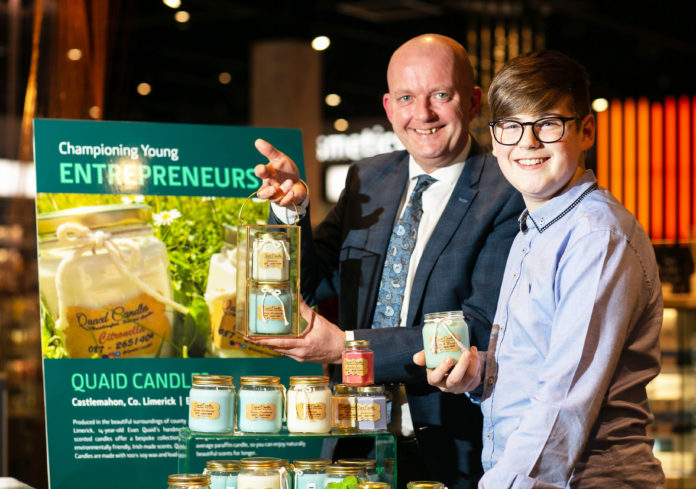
pixel 524 250
pixel 489 435
pixel 514 275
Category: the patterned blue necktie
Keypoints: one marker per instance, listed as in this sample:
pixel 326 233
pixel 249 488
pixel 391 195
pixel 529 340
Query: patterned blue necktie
pixel 401 244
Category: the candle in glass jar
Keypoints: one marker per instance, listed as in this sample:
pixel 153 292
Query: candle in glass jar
pixel 309 399
pixel 445 335
pixel 358 361
pixel 310 473
pixel 270 308
pixel 371 408
pixel 343 408
pixel 261 473
pixel 271 257
pixel 211 404
pixel 260 404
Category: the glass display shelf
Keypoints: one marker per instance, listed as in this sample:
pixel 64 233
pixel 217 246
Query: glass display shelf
pixel 196 448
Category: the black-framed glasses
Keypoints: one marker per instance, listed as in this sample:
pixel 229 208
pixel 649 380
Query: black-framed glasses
pixel 546 129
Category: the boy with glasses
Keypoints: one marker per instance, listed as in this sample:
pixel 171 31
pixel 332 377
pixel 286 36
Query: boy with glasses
pixel 575 335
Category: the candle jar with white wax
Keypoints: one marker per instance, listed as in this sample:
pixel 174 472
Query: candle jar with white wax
pixel 309 403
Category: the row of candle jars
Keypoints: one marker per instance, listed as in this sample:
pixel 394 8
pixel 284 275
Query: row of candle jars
pixel 307 473
pixel 262 403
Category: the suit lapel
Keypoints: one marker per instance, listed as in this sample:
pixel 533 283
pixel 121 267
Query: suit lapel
pixel 463 195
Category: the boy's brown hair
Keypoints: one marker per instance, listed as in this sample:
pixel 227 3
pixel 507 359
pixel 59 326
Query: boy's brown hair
pixel 533 83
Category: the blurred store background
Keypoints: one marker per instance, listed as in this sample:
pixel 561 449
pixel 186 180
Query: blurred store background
pixel 320 66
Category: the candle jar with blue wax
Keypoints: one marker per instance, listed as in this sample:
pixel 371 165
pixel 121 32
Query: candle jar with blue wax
pixel 270 308
pixel 445 335
pixel 223 473
pixel 261 404
pixel 211 404
pixel 371 408
pixel 310 473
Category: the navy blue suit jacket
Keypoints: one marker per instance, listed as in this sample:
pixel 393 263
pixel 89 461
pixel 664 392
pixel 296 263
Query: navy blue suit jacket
pixel 461 268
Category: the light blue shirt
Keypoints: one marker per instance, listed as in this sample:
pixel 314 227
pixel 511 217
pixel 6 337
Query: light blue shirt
pixel 576 342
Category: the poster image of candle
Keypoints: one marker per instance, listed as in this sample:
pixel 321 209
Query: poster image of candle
pixel 125 276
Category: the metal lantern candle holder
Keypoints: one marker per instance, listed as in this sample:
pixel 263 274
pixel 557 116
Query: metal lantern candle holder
pixel 268 279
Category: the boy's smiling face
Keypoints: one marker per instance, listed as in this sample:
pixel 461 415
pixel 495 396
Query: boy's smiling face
pixel 539 171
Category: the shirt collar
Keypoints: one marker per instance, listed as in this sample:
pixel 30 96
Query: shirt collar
pixel 553 210
pixel 448 174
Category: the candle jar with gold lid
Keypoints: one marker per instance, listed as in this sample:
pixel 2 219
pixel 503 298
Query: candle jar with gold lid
pixel 261 403
pixel 262 473
pixel 309 403
pixel 188 481
pixel 211 404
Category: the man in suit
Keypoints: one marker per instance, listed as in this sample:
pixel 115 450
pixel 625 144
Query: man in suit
pixel 469 218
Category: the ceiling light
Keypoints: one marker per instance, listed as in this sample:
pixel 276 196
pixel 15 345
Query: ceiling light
pixel 320 43
pixel 144 88
pixel 332 100
pixel 224 78
pixel 95 112
pixel 74 54
pixel 182 16
pixel 340 125
pixel 172 3
pixel 600 104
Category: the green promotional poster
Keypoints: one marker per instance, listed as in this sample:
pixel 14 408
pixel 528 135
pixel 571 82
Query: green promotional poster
pixel 138 229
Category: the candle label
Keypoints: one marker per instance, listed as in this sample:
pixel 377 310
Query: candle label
pixel 369 412
pixel 345 411
pixel 446 343
pixel 133 327
pixel 271 260
pixel 270 313
pixel 316 410
pixel 355 366
pixel 265 412
pixel 208 410
pixel 228 320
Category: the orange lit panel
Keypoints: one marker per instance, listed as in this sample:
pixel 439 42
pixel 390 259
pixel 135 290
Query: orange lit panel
pixel 657 218
pixel 683 164
pixel 615 147
pixel 603 148
pixel 643 155
pixel 670 168
pixel 629 166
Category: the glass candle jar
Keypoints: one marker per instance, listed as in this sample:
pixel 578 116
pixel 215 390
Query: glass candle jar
pixel 104 277
pixel 371 408
pixel 368 464
pixel 270 308
pixel 270 257
pixel 310 473
pixel 188 481
pixel 221 294
pixel 343 408
pixel 309 400
pixel 262 473
pixel 358 361
pixel 425 485
pixel 223 473
pixel 387 474
pixel 260 404
pixel 211 404
pixel 337 472
pixel 445 335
